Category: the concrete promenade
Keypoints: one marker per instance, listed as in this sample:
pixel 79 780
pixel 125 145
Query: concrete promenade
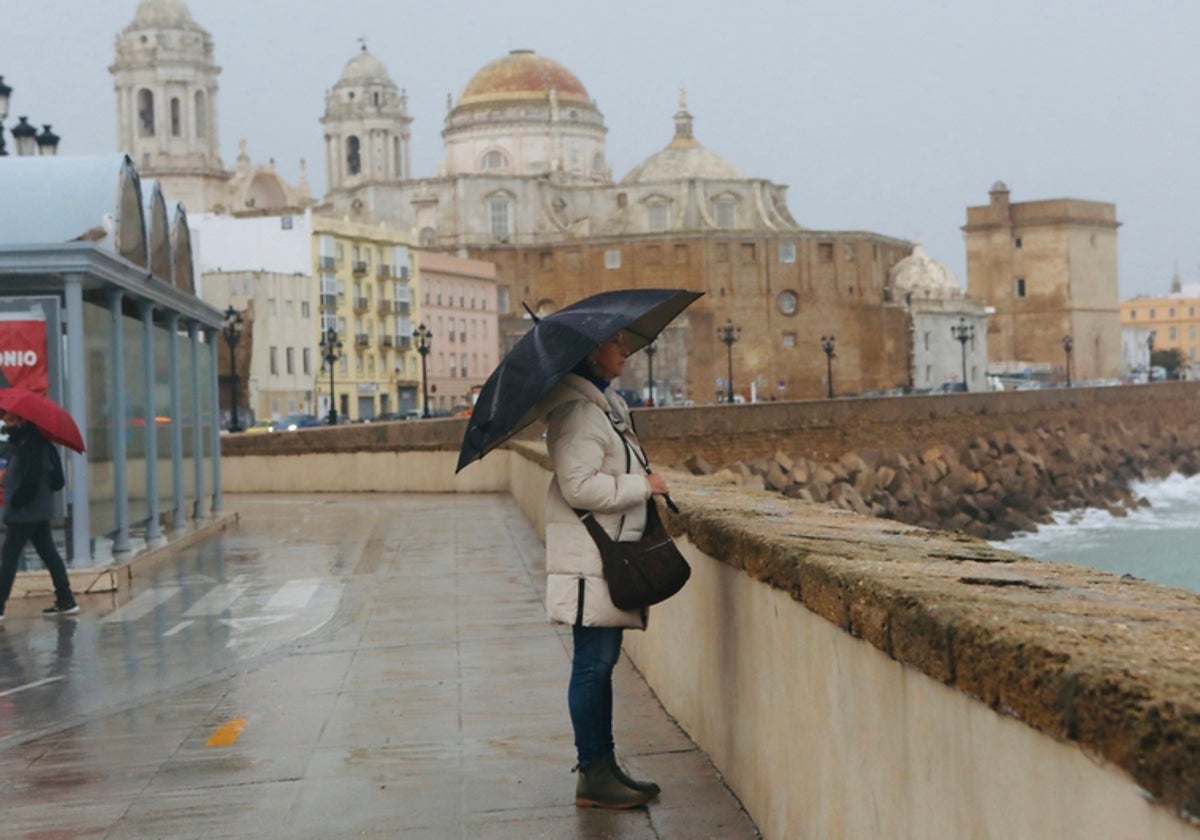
pixel 397 680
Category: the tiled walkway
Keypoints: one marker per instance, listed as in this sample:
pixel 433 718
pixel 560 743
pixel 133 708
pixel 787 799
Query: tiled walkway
pixel 430 703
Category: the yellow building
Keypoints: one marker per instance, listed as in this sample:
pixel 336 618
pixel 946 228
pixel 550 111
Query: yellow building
pixel 1050 270
pixel 1174 320
pixel 366 286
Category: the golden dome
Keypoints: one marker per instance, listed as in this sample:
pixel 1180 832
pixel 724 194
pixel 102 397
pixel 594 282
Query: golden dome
pixel 523 75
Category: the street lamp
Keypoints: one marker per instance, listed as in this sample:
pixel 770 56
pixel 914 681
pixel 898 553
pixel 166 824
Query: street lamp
pixel 962 334
pixel 331 349
pixel 729 334
pixel 651 349
pixel 1068 344
pixel 26 139
pixel 423 340
pixel 827 346
pixel 233 334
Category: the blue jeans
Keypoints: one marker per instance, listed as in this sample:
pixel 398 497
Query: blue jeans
pixel 590 694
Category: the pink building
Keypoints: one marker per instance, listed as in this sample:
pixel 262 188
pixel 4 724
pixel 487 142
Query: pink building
pixel 458 307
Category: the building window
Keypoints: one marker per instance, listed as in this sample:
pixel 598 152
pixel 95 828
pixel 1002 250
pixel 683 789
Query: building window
pixel 749 252
pixel 306 360
pixel 495 160
pixel 1133 315
pixel 427 237
pixel 1171 312
pixel 1152 314
pixel 825 251
pixel 304 310
pixel 201 116
pixel 272 307
pixel 612 258
pixel 502 300
pixel 926 341
pixel 657 218
pixel 498 214
pixel 787 252
pixel 788 302
pixel 1020 287
pixel 176 118
pixel 274 354
pixel 1171 334
pixel 145 113
pixel 726 213
pixel 290 360
pixel 353 155
pixel 789 339
pixel 1017 242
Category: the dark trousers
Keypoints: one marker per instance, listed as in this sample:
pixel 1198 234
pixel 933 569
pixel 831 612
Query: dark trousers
pixel 590 693
pixel 38 533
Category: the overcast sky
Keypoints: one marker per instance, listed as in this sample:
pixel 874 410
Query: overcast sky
pixel 879 115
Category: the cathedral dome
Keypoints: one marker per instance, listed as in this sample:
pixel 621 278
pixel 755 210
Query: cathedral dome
pixel 365 67
pixel 523 75
pixel 684 158
pixel 160 12
pixel 924 277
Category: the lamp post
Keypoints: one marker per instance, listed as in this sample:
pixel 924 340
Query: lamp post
pixel 963 333
pixel 728 335
pixel 331 351
pixel 651 349
pixel 1068 344
pixel 233 334
pixel 423 341
pixel 827 346
pixel 26 139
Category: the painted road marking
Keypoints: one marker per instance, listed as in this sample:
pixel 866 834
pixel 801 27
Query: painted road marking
pixel 141 605
pixel 294 595
pixel 227 733
pixel 183 625
pixel 28 686
pixel 218 599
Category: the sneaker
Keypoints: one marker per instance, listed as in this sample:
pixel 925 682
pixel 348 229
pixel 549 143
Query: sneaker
pixel 61 609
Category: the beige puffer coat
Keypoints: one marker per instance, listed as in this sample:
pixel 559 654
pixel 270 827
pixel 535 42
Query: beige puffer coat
pixel 596 469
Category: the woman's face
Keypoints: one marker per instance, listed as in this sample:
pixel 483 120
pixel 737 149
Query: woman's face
pixel 609 358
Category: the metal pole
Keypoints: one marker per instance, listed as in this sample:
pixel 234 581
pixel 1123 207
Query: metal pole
pixel 120 428
pixel 81 524
pixel 829 375
pixel 153 529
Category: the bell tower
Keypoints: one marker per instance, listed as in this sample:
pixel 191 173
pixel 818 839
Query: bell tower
pixel 165 81
pixel 366 127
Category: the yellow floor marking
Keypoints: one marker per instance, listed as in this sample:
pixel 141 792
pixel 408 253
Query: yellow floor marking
pixel 227 733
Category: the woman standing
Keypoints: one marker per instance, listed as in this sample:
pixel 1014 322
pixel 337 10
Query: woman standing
pixel 27 511
pixel 598 469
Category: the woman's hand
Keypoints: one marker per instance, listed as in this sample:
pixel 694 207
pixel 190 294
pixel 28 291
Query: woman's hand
pixel 658 484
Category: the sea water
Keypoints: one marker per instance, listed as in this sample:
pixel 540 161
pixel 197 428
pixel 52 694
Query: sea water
pixel 1159 542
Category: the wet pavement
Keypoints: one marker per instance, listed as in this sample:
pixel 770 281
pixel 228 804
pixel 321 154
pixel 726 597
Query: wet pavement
pixel 333 666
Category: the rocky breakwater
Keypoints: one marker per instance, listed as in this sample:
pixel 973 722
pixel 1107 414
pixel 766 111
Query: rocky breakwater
pixel 994 486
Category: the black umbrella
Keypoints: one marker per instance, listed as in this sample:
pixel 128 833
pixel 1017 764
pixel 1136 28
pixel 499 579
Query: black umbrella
pixel 557 343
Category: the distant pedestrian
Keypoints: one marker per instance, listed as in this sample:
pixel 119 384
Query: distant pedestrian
pixel 28 493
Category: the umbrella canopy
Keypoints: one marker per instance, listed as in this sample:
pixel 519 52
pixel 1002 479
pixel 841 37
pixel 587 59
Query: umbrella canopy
pixel 51 419
pixel 557 343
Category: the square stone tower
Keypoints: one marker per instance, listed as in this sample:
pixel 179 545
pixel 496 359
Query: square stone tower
pixel 1049 268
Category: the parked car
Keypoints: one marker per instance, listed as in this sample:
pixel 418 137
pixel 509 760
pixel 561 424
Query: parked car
pixel 294 421
pixel 258 428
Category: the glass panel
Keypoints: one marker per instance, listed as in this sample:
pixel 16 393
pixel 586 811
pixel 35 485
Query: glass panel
pixel 135 418
pixel 188 421
pixel 162 408
pixel 99 419
pixel 206 420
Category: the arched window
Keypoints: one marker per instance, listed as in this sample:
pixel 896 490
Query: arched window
pixel 145 113
pixel 495 160
pixel 657 217
pixel 498 215
pixel 176 117
pixel 353 158
pixel 726 212
pixel 427 237
pixel 201 115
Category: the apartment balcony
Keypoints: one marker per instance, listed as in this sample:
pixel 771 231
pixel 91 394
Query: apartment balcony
pixel 403 275
pixel 404 342
pixel 385 307
pixel 386 340
pixel 362 340
pixel 329 302
pixel 383 271
pixel 328 263
pixel 361 304
pixel 360 268
pixel 403 307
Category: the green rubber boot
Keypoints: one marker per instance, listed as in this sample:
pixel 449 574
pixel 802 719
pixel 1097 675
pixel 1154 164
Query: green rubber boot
pixel 630 782
pixel 599 787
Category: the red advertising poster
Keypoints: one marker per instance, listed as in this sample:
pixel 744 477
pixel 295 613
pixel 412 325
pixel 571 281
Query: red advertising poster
pixel 23 354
